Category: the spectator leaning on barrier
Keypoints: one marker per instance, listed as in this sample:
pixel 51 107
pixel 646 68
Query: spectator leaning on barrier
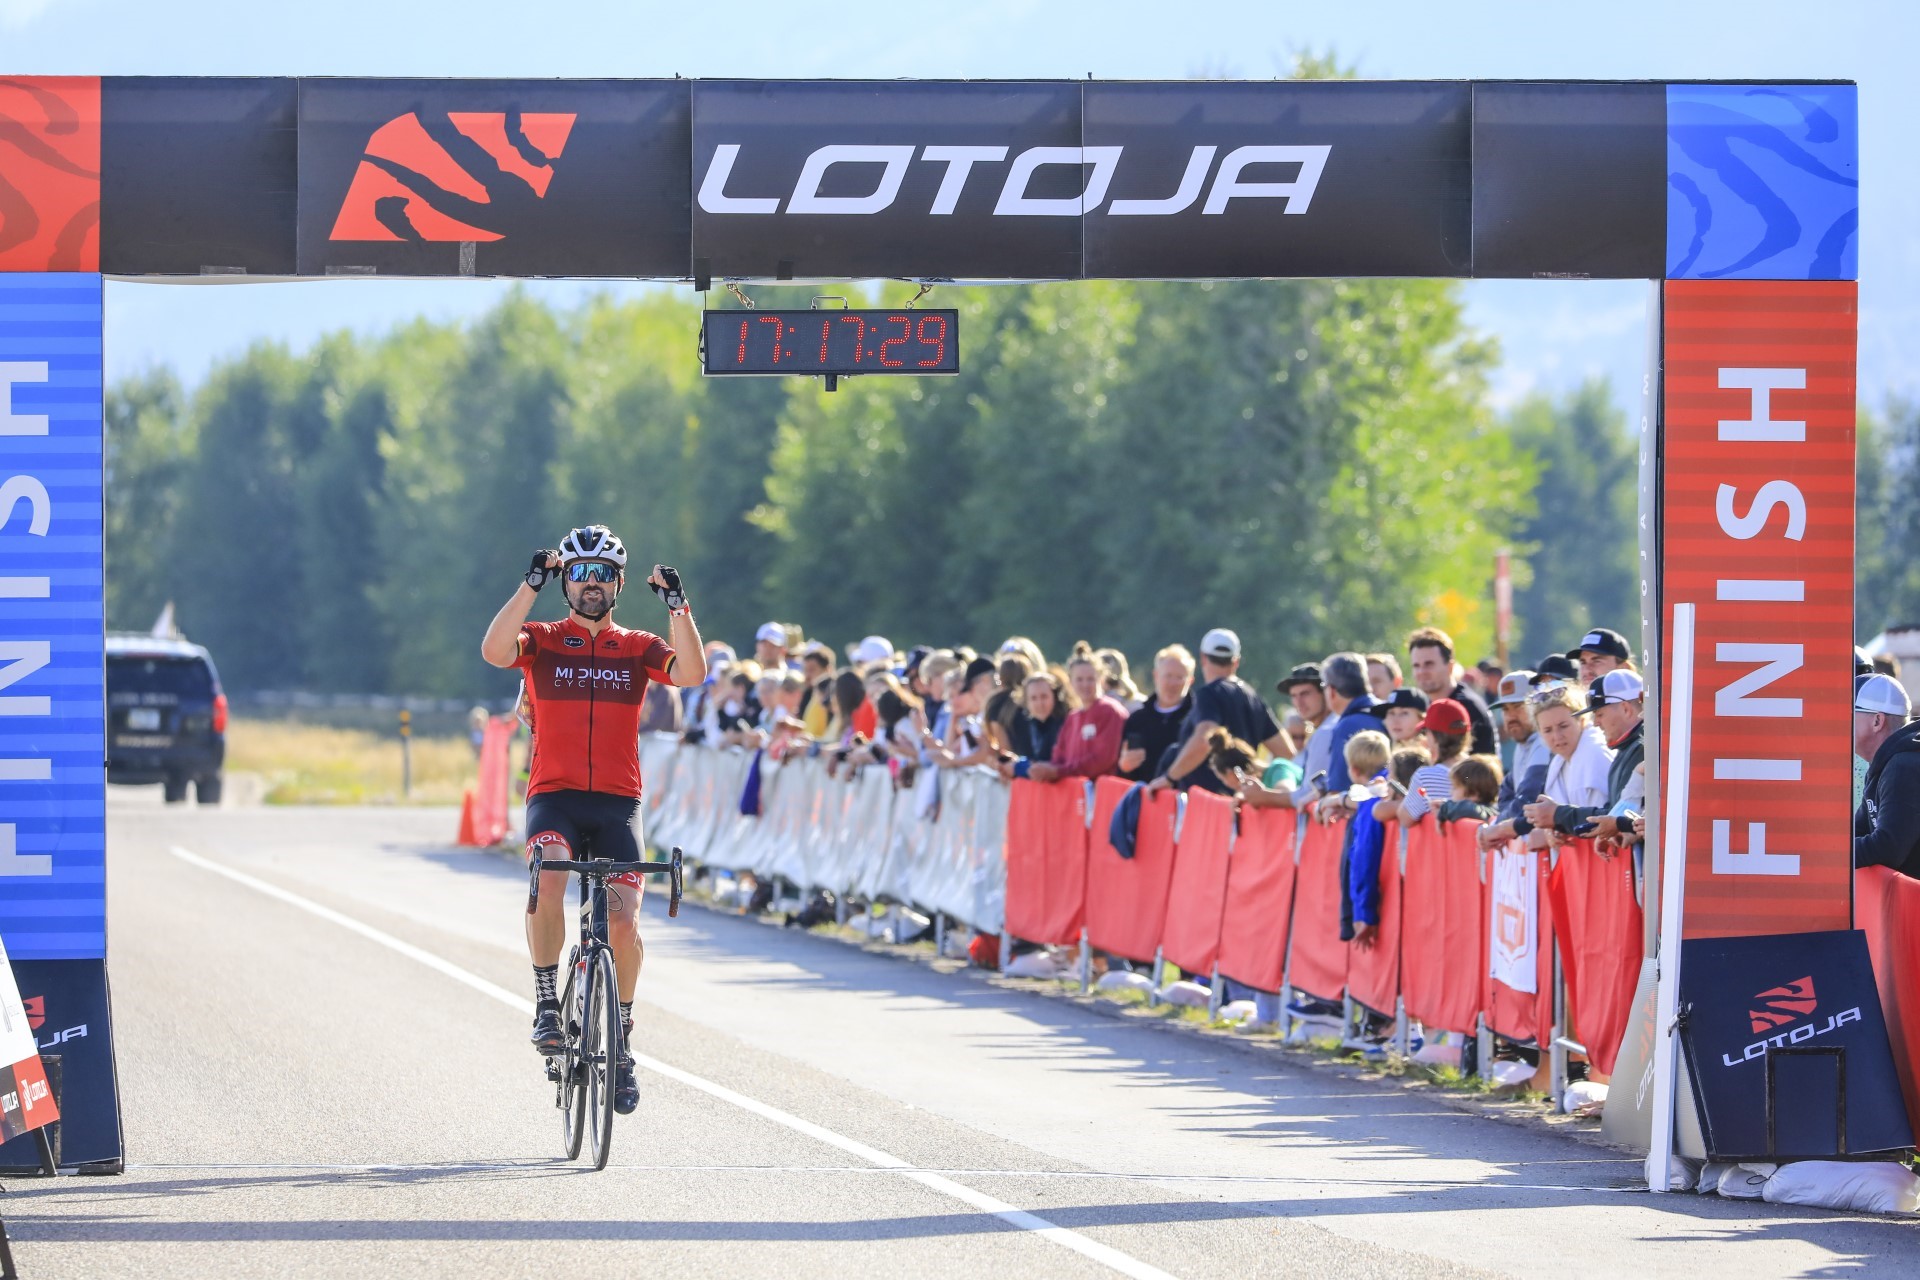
pixel 1526 770
pixel 1616 701
pixel 1445 728
pixel 1577 773
pixel 1306 688
pixel 1430 652
pixel 965 742
pixel 1599 652
pixel 1155 728
pixel 1223 701
pixel 1004 715
pixel 1475 785
pixel 1048 704
pixel 1346 680
pixel 1886 826
pixel 816 705
pixel 1383 675
pixel 1089 742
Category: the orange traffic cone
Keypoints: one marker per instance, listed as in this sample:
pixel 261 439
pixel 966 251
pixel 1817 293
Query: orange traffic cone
pixel 467 836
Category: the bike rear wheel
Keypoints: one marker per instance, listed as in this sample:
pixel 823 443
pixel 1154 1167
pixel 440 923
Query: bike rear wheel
pixel 600 1054
pixel 571 1097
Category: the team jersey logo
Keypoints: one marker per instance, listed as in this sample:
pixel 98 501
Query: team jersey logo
pixel 573 642
pixel 419 185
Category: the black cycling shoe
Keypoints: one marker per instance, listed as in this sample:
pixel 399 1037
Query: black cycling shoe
pixel 626 1090
pixel 548 1038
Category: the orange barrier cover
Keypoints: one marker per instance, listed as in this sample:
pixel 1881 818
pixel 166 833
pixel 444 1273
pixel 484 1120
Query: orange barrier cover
pixel 1511 1012
pixel 1127 897
pixel 1886 905
pixel 1253 932
pixel 1319 961
pixel 1599 927
pixel 1190 937
pixel 1047 860
pixel 490 795
pixel 1373 975
pixel 1443 950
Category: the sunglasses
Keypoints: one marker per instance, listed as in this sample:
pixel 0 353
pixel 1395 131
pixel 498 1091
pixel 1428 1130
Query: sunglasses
pixel 592 571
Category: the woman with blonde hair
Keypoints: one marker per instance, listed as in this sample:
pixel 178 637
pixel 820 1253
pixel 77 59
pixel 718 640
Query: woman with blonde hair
pixel 1116 681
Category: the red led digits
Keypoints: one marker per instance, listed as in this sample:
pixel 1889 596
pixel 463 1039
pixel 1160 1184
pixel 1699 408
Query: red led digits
pixel 906 333
pixel 741 359
pixel 777 326
pixel 859 336
pixel 826 328
pixel 939 342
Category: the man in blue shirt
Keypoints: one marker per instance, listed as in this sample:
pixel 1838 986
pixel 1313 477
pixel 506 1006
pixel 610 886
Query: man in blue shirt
pixel 1346 680
pixel 1226 701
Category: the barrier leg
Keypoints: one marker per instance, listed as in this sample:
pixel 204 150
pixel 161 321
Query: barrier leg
pixel 1159 978
pixel 839 908
pixel 1086 964
pixel 1006 949
pixel 1483 1048
pixel 939 933
pixel 1557 1055
pixel 1402 1029
pixel 1213 996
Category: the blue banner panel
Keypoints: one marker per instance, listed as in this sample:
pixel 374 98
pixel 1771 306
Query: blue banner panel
pixel 1763 182
pixel 53 903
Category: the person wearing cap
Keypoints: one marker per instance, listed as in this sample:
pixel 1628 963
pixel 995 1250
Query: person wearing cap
pixel 1526 772
pixel 1886 826
pixel 1402 714
pixel 1306 691
pixel 1345 674
pixel 1446 727
pixel 1436 674
pixel 871 651
pixel 1223 701
pixel 770 646
pixel 1617 703
pixel 1155 728
pixel 965 742
pixel 1555 668
pixel 1599 652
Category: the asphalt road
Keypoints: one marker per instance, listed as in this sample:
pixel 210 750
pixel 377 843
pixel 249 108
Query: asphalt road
pixel 321 1020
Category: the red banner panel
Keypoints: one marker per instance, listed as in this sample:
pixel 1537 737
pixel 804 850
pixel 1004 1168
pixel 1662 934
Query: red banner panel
pixel 1198 896
pixel 1127 897
pixel 1599 926
pixel 1319 961
pixel 1888 906
pixel 1253 933
pixel 49 173
pixel 1047 860
pixel 1373 974
pixel 1442 952
pixel 1757 529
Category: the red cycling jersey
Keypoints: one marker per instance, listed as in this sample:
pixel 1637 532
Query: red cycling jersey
pixel 586 692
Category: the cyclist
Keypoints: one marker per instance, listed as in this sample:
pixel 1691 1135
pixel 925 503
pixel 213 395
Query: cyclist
pixel 586 678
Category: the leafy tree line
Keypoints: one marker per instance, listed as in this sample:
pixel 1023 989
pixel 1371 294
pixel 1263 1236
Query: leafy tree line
pixel 1309 462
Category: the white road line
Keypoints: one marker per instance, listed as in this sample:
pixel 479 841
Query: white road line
pixel 1107 1256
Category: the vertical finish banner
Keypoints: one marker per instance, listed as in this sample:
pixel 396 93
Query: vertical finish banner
pixel 1757 509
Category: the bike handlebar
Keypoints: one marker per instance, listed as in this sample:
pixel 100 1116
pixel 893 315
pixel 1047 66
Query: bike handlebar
pixel 596 868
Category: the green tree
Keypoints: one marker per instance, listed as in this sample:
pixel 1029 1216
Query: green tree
pixel 149 453
pixel 1581 548
pixel 1887 520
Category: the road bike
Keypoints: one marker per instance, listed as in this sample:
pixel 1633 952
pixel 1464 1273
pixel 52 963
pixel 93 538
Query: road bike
pixel 583 1070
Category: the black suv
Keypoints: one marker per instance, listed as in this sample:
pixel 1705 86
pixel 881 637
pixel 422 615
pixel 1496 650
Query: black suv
pixel 166 716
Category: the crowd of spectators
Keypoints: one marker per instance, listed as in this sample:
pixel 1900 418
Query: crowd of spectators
pixel 1542 755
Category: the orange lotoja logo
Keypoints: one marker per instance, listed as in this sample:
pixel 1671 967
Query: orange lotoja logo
pixel 1777 1006
pixel 36 1007
pixel 410 186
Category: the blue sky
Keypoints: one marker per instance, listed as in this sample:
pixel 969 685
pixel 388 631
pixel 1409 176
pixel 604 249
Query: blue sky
pixel 1552 334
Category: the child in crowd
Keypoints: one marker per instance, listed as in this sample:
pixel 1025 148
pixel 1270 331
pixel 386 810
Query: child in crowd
pixel 1367 755
pixel 1476 788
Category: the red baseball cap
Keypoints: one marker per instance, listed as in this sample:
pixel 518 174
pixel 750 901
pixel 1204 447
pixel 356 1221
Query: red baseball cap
pixel 1446 716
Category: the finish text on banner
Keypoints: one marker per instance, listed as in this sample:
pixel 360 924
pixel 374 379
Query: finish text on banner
pixel 1757 511
pixel 52 708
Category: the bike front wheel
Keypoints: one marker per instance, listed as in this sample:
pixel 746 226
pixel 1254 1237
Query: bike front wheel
pixel 572 1085
pixel 600 1053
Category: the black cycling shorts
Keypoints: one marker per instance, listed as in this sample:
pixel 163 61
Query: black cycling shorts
pixel 592 824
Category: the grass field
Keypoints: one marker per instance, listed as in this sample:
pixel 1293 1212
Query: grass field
pixel 316 764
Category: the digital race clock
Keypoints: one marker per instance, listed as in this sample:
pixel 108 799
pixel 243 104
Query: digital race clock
pixel 835 343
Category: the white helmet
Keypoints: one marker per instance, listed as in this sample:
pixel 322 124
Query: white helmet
pixel 592 542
